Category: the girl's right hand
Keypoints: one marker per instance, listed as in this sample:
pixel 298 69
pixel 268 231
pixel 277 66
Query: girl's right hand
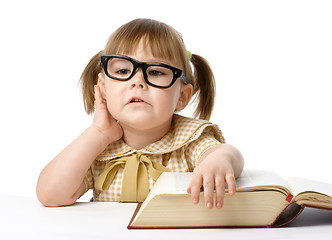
pixel 103 120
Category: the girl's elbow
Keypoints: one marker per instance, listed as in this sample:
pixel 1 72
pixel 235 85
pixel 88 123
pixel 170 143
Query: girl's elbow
pixel 48 201
pixel 51 199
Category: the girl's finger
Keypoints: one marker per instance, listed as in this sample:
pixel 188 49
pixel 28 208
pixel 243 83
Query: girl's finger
pixel 208 183
pixel 195 187
pixel 220 191
pixel 231 182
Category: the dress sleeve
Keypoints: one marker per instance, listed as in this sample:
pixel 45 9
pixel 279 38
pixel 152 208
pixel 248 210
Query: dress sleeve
pixel 198 147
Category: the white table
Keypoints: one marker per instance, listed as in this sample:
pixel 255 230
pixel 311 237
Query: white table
pixel 26 218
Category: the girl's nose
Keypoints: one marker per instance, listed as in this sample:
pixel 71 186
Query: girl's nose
pixel 138 79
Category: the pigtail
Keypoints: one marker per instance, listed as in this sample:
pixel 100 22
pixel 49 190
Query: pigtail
pixel 88 79
pixel 204 87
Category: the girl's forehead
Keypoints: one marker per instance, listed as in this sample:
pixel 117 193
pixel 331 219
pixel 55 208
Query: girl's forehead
pixel 145 54
pixel 146 51
pixel 160 47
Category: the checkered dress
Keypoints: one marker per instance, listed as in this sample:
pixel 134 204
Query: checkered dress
pixel 179 150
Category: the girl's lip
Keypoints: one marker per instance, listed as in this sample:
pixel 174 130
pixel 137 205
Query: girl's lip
pixel 136 100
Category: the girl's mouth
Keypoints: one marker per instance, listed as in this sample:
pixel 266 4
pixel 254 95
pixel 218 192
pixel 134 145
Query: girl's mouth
pixel 136 100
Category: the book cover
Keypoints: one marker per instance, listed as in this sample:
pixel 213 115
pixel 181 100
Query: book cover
pixel 263 199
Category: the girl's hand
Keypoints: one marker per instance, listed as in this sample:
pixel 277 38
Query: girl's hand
pixel 213 172
pixel 103 120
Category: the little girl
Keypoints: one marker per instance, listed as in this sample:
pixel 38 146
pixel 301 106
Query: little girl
pixel 134 87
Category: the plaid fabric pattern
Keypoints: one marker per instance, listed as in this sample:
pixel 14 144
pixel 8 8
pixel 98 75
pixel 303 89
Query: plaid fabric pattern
pixel 179 150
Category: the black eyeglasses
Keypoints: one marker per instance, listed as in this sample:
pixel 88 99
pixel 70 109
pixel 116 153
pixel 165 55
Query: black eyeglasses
pixel 158 75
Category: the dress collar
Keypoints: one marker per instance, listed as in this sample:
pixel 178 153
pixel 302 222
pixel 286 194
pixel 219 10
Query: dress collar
pixel 183 131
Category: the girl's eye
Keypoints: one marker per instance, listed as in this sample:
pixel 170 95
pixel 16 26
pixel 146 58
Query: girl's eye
pixel 123 71
pixel 155 73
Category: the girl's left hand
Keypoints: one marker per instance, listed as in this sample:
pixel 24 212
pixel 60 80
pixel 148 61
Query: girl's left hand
pixel 213 172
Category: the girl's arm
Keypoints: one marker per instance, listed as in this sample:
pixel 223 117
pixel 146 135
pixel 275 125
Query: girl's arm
pixel 61 181
pixel 218 166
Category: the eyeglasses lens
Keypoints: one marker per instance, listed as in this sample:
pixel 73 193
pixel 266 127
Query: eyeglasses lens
pixel 122 69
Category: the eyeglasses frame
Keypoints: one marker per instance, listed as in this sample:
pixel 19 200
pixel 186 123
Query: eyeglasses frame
pixel 177 73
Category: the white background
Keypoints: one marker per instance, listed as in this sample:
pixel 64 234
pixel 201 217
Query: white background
pixel 272 62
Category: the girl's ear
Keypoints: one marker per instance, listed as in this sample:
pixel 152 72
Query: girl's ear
pixel 101 84
pixel 185 96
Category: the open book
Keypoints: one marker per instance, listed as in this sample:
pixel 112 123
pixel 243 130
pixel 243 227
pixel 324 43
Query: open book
pixel 263 199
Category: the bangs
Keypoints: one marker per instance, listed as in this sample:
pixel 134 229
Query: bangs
pixel 163 40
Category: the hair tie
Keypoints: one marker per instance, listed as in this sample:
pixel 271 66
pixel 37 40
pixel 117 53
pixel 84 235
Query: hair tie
pixel 189 55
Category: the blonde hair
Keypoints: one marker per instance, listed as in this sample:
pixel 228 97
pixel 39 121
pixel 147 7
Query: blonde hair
pixel 164 42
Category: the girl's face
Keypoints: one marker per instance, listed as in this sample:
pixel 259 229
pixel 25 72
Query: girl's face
pixel 137 105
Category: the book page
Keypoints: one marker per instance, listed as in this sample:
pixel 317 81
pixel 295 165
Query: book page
pixel 173 182
pixel 251 178
pixel 177 183
pixel 299 185
pixel 170 182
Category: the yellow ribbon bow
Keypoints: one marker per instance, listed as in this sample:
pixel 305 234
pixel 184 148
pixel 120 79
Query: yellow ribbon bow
pixel 135 181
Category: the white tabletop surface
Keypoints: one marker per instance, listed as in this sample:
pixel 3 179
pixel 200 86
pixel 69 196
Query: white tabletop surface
pixel 26 218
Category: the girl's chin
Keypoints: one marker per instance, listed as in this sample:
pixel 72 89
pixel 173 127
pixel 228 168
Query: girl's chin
pixel 135 121
pixel 144 123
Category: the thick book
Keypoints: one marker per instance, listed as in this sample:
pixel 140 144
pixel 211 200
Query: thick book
pixel 262 199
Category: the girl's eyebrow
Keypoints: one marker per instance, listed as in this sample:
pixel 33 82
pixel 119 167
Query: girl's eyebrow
pixel 154 60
